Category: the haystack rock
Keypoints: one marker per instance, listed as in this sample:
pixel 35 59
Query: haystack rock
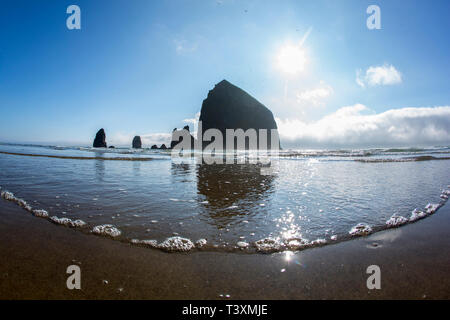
pixel 100 139
pixel 154 147
pixel 229 107
pixel 177 137
pixel 137 143
pixel 163 147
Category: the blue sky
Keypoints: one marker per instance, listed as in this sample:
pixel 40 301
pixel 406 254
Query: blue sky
pixel 142 67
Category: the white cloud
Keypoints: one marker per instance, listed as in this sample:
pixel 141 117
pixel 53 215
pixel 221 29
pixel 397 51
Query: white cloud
pixel 315 96
pixel 379 75
pixel 357 126
pixel 193 121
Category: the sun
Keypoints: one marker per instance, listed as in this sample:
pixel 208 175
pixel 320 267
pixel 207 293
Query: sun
pixel 291 59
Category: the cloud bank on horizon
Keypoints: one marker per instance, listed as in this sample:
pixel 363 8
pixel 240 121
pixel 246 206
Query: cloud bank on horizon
pixel 358 126
pixel 349 127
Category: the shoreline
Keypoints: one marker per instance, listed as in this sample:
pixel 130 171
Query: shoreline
pixel 201 245
pixel 75 158
pixel 413 259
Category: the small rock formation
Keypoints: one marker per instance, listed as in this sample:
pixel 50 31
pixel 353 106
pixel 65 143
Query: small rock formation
pixel 111 147
pixel 229 107
pixel 154 147
pixel 137 143
pixel 163 147
pixel 177 137
pixel 100 139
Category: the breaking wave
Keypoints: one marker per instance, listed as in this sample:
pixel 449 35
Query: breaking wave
pixel 405 159
pixel 285 153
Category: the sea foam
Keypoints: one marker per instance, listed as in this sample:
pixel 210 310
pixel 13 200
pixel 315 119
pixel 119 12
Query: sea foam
pixel 242 244
pixel 176 244
pixel 40 213
pixel 22 203
pixel 200 243
pixel 296 243
pixel 9 196
pixel 318 242
pixel 106 230
pixel 417 214
pixel 396 221
pixel 432 207
pixel 68 222
pixel 360 229
pixel 267 245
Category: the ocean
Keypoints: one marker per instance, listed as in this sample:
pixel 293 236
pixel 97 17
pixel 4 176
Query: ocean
pixel 303 198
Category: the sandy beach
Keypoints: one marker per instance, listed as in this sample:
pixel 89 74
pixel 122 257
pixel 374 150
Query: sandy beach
pixel 414 262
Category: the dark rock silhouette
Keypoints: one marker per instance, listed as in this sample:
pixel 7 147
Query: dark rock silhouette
pixel 100 139
pixel 217 183
pixel 137 143
pixel 229 107
pixel 163 147
pixel 111 147
pixel 154 147
pixel 177 138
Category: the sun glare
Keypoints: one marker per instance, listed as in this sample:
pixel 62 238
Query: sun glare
pixel 291 59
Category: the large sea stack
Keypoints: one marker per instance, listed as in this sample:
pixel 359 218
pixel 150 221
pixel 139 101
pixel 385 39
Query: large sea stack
pixel 229 107
pixel 137 142
pixel 100 139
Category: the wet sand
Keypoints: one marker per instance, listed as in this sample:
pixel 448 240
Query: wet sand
pixel 414 262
